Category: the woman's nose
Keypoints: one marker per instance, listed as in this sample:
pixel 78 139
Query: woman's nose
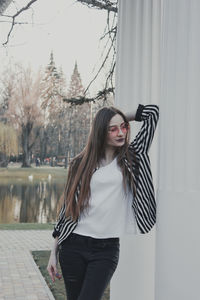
pixel 120 132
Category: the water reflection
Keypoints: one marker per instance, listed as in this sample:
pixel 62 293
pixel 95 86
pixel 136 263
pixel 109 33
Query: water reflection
pixel 30 202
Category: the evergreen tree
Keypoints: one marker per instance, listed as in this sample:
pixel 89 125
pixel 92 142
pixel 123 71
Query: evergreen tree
pixel 53 106
pixel 80 115
pixel 76 88
pixel 54 86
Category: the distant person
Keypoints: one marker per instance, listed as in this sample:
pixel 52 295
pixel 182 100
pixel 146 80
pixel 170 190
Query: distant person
pixel 109 193
pixel 54 161
pixel 37 162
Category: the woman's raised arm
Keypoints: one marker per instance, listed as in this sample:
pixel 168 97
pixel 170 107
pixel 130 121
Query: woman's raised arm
pixel 149 114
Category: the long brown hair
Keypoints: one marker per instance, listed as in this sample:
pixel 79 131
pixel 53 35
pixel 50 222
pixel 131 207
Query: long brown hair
pixel 83 165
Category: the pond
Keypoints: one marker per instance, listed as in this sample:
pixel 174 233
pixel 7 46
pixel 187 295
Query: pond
pixel 30 195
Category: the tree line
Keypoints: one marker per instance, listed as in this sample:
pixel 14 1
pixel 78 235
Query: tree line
pixel 40 118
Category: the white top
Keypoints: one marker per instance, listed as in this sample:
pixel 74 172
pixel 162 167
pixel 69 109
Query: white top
pixel 110 212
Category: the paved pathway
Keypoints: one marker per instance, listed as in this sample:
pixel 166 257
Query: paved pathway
pixel 20 278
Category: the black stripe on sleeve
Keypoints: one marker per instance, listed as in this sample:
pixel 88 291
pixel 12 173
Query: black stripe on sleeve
pixel 139 112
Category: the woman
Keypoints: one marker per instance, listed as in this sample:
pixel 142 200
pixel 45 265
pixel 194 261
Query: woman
pixel 109 192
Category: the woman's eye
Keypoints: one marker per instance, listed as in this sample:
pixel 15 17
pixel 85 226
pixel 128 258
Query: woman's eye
pixel 113 129
pixel 124 126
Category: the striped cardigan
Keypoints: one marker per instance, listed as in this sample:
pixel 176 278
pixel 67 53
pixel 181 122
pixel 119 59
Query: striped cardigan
pixel 144 205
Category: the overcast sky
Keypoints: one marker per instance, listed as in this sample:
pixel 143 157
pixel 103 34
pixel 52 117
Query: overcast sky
pixel 70 29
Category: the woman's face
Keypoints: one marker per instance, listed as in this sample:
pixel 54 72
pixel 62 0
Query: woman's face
pixel 117 131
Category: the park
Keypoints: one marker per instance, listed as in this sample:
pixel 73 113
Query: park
pixel 154 60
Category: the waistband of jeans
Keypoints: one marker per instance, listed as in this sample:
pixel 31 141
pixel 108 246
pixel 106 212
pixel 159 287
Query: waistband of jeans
pixel 80 237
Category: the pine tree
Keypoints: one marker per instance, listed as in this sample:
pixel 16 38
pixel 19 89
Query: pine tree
pixel 80 114
pixel 54 86
pixel 76 88
pixel 53 106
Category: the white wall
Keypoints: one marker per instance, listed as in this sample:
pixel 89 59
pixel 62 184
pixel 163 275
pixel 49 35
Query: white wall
pixel 178 221
pixel 164 71
pixel 137 81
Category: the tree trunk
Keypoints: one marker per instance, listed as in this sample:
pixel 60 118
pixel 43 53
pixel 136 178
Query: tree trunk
pixel 43 144
pixel 3 160
pixel 26 130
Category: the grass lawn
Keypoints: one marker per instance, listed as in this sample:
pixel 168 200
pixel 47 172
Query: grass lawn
pixel 26 226
pixel 41 258
pixel 57 288
pixel 40 173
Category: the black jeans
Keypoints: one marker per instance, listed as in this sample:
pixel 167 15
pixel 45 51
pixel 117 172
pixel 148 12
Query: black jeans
pixel 87 265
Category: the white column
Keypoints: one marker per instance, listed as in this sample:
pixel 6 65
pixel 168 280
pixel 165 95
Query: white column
pixel 137 81
pixel 178 218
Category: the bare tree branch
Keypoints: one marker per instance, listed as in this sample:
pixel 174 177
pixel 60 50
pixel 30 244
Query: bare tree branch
pixel 80 100
pixel 16 23
pixel 110 32
pixel 101 67
pixel 13 23
pixel 6 16
pixel 107 5
pixel 113 40
pixel 3 5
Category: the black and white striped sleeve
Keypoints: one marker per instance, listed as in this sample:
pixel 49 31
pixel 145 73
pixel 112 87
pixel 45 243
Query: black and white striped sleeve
pixel 144 203
pixel 64 226
pixel 149 114
pixel 59 224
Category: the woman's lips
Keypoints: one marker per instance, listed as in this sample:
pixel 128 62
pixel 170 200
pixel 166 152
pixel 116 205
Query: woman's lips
pixel 120 140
